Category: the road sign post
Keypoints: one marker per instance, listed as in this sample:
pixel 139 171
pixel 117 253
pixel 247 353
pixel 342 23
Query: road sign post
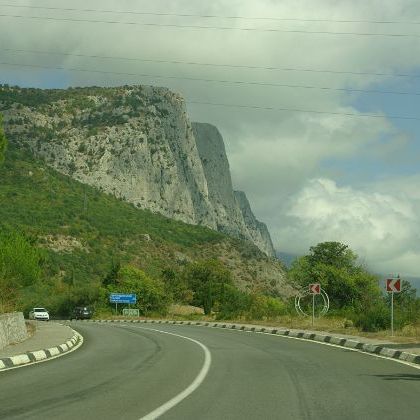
pixel 393 285
pixel 392 314
pixel 305 293
pixel 122 298
pixel 314 289
pixel 131 312
pixel 313 308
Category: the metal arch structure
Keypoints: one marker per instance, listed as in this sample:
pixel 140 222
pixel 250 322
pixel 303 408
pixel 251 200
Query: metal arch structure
pixel 325 298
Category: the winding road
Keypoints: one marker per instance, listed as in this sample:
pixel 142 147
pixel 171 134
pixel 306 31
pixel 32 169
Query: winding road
pixel 130 371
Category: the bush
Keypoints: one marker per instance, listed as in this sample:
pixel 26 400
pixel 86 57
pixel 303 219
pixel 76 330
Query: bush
pixel 234 303
pixel 265 307
pixel 373 318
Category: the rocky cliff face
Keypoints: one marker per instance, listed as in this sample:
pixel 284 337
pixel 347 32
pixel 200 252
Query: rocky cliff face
pixel 233 211
pixel 138 144
pixel 257 230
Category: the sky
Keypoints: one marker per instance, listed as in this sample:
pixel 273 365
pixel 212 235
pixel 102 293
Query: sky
pixel 336 157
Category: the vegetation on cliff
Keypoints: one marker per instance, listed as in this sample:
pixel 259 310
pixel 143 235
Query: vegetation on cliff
pixel 78 235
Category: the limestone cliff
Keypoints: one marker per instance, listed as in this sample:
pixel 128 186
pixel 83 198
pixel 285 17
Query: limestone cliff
pixel 138 144
pixel 233 212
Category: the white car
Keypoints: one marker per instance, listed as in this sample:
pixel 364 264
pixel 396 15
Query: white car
pixel 40 314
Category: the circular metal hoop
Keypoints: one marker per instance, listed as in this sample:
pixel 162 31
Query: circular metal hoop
pixel 325 298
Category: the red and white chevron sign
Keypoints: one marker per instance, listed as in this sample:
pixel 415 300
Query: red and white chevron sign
pixel 315 289
pixel 393 285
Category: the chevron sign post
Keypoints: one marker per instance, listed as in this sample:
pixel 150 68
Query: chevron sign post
pixel 314 289
pixel 393 285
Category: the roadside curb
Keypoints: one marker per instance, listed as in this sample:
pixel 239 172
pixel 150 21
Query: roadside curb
pixel 350 343
pixel 41 355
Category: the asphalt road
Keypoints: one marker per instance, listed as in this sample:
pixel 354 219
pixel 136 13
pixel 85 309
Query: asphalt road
pixel 126 372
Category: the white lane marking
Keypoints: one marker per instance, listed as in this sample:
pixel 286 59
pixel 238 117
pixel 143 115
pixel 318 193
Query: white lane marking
pixel 191 388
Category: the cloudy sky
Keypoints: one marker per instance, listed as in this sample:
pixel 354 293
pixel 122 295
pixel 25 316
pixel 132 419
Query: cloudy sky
pixel 317 100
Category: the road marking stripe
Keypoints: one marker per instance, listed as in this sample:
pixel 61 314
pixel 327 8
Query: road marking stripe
pixel 54 351
pixel 20 359
pixel 191 388
pixel 39 355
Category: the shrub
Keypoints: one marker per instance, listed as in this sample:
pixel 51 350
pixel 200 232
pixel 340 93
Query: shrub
pixel 373 318
pixel 234 303
pixel 265 307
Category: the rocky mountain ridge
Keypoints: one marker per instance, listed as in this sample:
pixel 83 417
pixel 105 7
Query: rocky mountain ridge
pixel 138 144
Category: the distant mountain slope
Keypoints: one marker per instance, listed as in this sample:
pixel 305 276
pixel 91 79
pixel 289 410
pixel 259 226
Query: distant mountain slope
pixel 138 144
pixel 84 231
pixel 286 258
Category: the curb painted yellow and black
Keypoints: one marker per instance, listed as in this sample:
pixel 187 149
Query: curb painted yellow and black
pixel 378 349
pixel 41 355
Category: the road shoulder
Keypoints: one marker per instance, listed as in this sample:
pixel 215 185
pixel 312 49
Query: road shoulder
pixel 50 340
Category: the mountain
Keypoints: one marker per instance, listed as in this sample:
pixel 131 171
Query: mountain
pixel 137 143
pixel 232 209
pixel 287 258
pixel 84 232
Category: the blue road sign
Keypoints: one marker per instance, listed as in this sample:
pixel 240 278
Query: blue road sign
pixel 122 298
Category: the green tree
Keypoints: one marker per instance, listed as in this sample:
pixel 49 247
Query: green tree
pixel 176 286
pixel 151 296
pixel 3 141
pixel 19 267
pixel 335 266
pixel 333 254
pixel 207 280
pixel 112 276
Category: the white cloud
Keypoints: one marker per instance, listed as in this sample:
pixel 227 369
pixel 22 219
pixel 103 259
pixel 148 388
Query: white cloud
pixel 384 229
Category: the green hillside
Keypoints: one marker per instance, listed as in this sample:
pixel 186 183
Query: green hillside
pixel 84 233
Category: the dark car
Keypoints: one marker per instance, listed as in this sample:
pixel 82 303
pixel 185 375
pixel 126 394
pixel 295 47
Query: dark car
pixel 82 312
